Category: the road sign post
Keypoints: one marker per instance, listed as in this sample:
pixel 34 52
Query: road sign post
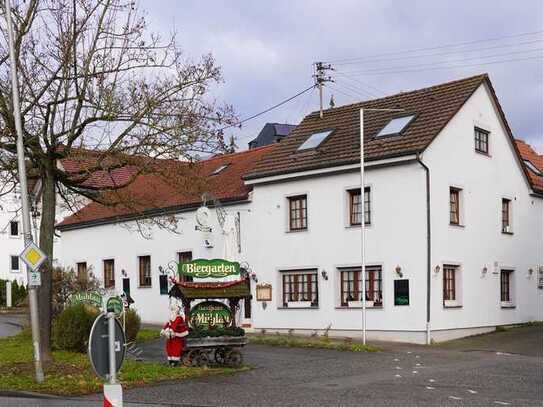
pixel 106 353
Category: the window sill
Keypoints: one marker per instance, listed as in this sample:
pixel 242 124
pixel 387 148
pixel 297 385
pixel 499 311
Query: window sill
pixel 145 286
pixel 507 233
pixel 296 230
pixel 359 307
pixel 452 306
pixel 298 308
pixel 507 305
pixel 14 236
pixel 483 154
pixel 367 225
pixel 457 225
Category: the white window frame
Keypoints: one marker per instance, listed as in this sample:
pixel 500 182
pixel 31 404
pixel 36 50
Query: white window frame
pixel 461 206
pixel 297 304
pixel 18 229
pixel 511 229
pixel 150 269
pixel 286 200
pixel 458 278
pixel 18 270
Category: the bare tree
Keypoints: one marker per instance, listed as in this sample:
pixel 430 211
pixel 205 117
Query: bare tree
pixel 94 78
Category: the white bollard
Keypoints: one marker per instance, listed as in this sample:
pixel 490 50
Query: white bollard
pixel 8 294
pixel 113 395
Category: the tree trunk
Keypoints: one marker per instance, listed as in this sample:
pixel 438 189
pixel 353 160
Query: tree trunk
pixel 45 291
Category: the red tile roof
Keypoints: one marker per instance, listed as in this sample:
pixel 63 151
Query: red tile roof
pixel 174 185
pixel 528 153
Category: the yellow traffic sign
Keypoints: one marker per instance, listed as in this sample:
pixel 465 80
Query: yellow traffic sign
pixel 33 256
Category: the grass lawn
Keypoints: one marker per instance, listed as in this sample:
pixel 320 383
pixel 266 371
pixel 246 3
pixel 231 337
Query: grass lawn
pixel 147 334
pixel 71 373
pixel 291 341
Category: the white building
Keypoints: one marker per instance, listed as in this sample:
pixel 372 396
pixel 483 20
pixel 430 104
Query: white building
pixel 453 214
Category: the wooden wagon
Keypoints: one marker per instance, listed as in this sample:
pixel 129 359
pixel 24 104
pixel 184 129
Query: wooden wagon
pixel 214 337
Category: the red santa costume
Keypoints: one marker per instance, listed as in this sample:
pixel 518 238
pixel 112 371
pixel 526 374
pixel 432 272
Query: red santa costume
pixel 175 330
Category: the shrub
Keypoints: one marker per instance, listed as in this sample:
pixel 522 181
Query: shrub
pixel 66 283
pixel 71 328
pixel 133 325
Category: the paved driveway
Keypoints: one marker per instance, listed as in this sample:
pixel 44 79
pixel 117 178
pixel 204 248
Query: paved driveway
pixel 11 324
pixel 452 375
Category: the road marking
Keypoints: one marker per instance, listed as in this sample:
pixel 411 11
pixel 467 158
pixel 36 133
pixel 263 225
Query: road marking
pixel 417 356
pixel 504 354
pixel 418 364
pixel 415 372
pixel 455 398
pixel 430 388
pixel 502 403
pixel 409 352
pixel 472 391
pixel 432 380
pixel 397 375
pixel 398 368
pixel 396 360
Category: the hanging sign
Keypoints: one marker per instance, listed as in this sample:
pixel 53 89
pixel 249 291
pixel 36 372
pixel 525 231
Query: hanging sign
pixel 210 313
pixel 115 304
pixel 93 298
pixel 215 268
pixel 264 292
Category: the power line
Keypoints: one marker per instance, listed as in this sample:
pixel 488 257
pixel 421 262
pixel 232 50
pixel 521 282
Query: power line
pixel 430 64
pixel 362 60
pixel 369 85
pixel 453 45
pixel 239 123
pixel 435 68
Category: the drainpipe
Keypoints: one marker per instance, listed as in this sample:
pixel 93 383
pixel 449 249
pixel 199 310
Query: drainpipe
pixel 428 251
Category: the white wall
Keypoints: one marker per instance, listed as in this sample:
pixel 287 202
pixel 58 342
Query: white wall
pixel 124 244
pixel 396 237
pixel 485 180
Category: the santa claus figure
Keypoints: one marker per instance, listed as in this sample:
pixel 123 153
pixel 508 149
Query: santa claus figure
pixel 175 330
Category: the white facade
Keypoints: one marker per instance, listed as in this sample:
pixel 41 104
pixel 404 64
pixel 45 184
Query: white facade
pixel 124 244
pixel 396 240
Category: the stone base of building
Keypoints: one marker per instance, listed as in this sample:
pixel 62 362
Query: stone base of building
pixel 405 336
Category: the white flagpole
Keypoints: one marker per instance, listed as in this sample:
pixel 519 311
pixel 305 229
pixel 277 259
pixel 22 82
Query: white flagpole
pixel 362 227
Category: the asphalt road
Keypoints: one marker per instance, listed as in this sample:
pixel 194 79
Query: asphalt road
pixel 10 324
pixel 460 375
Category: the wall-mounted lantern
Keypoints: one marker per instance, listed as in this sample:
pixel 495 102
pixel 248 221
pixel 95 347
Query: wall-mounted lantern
pixel 324 275
pixel 437 269
pixel 398 271
pixel 484 271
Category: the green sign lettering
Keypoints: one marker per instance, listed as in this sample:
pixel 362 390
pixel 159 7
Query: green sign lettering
pixel 86 297
pixel 115 304
pixel 210 313
pixel 202 268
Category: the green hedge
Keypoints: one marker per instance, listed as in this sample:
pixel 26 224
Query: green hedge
pixel 71 328
pixel 18 293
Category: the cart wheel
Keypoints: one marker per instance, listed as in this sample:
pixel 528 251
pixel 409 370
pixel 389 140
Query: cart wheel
pixel 189 357
pixel 201 360
pixel 220 356
pixel 234 358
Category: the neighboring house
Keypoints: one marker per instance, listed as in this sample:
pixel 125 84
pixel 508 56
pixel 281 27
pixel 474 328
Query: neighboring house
pixel 271 133
pixel 110 239
pixel 454 220
pixel 452 206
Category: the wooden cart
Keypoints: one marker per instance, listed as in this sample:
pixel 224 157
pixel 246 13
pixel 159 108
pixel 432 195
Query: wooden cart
pixel 209 350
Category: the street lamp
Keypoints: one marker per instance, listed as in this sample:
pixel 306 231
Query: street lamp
pixel 363 221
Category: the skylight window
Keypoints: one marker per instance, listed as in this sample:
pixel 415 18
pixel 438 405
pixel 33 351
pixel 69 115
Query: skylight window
pixel 220 169
pixel 532 168
pixel 395 126
pixel 315 140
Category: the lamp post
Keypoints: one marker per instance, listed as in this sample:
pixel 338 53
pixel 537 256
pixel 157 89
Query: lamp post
pixel 363 220
pixel 27 229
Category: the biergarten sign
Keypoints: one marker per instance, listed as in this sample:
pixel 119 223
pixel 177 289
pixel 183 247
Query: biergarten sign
pixel 215 268
pixel 210 313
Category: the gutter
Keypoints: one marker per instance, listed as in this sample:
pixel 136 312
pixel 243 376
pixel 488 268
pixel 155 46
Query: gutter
pixel 428 251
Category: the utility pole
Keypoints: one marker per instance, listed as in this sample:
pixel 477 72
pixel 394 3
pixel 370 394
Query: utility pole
pixel 27 229
pixel 321 77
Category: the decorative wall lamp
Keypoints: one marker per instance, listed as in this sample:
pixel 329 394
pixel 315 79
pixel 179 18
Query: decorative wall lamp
pixel 437 269
pixel 398 271
pixel 324 275
pixel 124 273
pixel 254 277
pixel 530 272
pixel 484 271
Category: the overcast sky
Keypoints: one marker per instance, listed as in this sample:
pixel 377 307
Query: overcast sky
pixel 266 50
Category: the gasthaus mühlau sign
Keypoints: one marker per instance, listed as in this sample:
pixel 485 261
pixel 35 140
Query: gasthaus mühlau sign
pixel 215 268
